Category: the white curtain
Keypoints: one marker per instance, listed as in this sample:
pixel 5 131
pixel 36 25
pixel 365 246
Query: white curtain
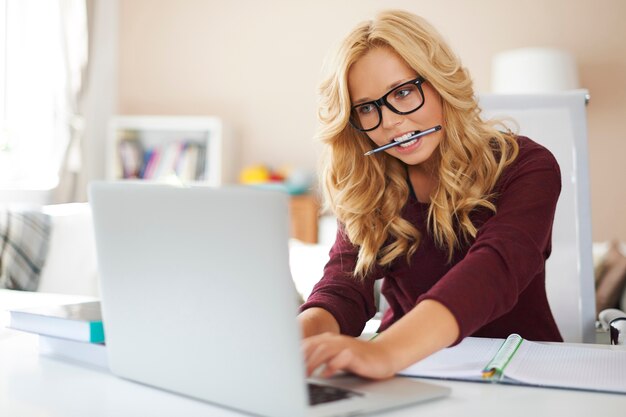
pixel 75 42
pixel 44 59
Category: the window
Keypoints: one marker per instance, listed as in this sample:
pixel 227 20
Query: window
pixel 34 93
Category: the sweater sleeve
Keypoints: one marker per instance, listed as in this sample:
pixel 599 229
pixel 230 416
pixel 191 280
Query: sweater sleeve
pixel 510 248
pixel 349 299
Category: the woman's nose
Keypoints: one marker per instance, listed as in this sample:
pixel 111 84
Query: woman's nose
pixel 389 118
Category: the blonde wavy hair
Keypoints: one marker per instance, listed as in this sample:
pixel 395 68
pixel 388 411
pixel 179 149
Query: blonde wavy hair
pixel 367 193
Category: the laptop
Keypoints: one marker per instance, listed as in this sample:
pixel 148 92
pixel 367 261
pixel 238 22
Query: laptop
pixel 197 299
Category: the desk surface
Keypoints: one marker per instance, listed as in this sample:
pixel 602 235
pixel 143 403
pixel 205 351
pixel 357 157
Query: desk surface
pixel 36 386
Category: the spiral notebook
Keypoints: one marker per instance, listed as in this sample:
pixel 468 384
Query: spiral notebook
pixel 521 362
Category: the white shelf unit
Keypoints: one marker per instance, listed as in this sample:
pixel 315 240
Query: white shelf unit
pixel 165 139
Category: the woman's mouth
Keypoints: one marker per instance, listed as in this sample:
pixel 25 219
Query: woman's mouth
pixel 406 137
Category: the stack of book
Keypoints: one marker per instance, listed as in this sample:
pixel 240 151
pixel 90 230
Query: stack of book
pixel 73 331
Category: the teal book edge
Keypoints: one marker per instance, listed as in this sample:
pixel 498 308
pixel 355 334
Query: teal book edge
pixel 96 331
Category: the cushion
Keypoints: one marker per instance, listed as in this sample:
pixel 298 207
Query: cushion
pixel 23 248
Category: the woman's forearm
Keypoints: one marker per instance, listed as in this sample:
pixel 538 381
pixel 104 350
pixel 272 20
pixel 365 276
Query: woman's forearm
pixel 317 321
pixel 429 327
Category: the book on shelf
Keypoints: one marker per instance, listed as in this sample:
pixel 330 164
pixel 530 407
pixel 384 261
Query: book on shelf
pixel 131 157
pixel 182 158
pixel 171 152
pixel 82 352
pixel 521 362
pixel 153 160
pixel 201 167
pixel 79 321
pixel 188 162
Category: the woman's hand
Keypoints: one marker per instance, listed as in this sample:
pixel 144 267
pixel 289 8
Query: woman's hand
pixel 429 327
pixel 335 352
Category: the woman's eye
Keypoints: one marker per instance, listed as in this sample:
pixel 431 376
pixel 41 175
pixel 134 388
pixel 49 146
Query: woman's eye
pixel 365 109
pixel 402 93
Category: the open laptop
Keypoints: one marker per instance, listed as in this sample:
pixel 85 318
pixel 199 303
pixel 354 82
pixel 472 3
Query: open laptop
pixel 197 299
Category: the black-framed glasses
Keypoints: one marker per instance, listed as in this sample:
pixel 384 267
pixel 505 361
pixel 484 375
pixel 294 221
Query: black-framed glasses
pixel 403 99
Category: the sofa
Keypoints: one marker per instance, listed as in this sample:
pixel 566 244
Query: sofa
pixel 71 268
pixel 67 250
pixel 69 273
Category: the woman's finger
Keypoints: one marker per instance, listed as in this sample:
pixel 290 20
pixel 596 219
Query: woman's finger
pixel 323 349
pixel 310 344
pixel 318 356
pixel 339 362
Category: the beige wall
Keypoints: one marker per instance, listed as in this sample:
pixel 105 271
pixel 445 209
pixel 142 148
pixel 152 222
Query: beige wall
pixel 257 63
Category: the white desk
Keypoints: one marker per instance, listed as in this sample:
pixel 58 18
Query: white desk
pixel 35 386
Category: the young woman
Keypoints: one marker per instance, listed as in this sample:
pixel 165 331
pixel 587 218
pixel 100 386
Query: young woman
pixel 457 222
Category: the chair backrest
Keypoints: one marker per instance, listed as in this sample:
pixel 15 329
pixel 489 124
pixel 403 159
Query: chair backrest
pixel 558 122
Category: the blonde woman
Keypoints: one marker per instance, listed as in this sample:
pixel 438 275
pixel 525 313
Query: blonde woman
pixel 457 222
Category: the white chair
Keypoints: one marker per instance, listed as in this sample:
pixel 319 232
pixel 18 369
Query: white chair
pixel 558 122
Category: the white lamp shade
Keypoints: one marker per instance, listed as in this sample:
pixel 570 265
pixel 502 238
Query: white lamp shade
pixel 533 70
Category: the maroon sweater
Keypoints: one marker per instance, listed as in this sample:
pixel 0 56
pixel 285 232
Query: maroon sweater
pixel 494 286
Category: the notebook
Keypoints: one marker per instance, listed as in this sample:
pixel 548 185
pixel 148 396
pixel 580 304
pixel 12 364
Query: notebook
pixel 197 299
pixel 517 361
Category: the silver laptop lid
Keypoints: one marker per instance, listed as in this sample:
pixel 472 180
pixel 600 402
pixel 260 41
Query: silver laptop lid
pixel 190 280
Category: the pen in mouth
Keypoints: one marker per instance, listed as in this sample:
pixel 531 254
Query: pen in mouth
pixel 410 138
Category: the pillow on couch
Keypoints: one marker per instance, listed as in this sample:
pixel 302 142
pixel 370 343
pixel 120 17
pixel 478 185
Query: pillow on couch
pixel 24 238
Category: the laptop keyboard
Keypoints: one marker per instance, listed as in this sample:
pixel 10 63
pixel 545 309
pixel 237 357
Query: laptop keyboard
pixel 319 394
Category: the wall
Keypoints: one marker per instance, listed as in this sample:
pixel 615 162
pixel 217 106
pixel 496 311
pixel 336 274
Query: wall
pixel 257 64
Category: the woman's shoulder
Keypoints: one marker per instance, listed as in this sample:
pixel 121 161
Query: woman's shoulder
pixel 532 158
pixel 533 155
pixel 529 149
